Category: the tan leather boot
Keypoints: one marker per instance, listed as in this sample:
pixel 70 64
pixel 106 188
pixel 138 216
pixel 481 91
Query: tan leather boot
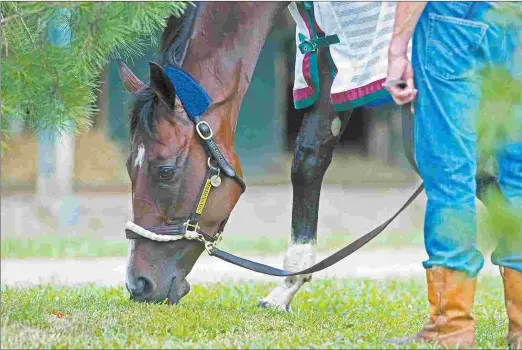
pixel 451 294
pixel 513 297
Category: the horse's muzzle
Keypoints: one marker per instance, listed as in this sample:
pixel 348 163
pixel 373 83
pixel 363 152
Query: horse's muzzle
pixel 142 290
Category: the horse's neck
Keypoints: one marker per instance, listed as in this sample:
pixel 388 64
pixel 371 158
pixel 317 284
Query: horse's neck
pixel 225 45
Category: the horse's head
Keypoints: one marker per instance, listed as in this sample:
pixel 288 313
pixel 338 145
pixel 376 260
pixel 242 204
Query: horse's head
pixel 170 169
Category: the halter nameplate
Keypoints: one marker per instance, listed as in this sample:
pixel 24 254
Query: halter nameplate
pixel 194 98
pixel 204 197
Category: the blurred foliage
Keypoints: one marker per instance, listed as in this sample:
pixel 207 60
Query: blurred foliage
pixel 51 87
pixel 500 111
pixel 501 95
pixel 507 13
pixel 499 124
pixel 503 223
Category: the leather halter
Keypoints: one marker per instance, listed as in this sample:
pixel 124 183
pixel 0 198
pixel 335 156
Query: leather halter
pixel 189 229
pixel 195 102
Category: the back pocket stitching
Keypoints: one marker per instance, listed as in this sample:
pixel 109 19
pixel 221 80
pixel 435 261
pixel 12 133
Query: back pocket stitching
pixel 434 18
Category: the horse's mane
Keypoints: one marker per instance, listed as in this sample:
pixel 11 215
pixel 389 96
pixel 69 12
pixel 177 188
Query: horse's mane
pixel 174 44
pixel 175 38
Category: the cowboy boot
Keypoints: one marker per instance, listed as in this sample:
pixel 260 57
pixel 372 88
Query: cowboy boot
pixel 450 295
pixel 513 297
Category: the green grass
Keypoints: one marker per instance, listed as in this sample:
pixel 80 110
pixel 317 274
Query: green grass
pixel 270 245
pixel 54 246
pixel 326 314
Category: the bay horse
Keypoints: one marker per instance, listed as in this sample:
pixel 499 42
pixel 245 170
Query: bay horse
pixel 218 44
pixel 176 185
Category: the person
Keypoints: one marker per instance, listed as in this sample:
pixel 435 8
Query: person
pixel 453 42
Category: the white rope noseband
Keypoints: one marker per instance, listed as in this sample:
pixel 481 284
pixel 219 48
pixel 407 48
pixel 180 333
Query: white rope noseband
pixel 188 235
pixel 129 225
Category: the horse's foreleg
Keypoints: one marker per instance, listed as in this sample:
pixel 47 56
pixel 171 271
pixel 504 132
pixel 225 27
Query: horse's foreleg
pixel 317 138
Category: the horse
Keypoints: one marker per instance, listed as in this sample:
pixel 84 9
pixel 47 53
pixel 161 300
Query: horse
pixel 186 177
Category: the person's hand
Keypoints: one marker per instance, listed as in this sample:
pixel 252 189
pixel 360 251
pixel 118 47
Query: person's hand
pixel 399 68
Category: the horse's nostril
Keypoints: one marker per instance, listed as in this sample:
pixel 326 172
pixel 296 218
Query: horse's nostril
pixel 139 288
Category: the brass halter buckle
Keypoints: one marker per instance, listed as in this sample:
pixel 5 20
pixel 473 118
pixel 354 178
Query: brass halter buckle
pixel 191 227
pixel 193 236
pixel 201 134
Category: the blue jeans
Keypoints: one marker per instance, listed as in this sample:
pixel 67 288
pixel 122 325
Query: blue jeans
pixel 452 43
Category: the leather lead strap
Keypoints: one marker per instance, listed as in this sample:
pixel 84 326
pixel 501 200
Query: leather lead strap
pixel 407 135
pixel 329 261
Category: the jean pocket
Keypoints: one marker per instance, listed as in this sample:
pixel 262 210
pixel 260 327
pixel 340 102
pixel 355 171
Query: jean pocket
pixel 453 46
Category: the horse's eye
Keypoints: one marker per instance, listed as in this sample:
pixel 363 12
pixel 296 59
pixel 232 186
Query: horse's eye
pixel 166 172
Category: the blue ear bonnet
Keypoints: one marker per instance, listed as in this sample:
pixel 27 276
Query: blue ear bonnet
pixel 195 100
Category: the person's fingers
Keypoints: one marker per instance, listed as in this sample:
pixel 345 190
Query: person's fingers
pixel 410 97
pixel 403 96
pixel 398 92
pixel 408 71
pixel 401 69
pixel 409 84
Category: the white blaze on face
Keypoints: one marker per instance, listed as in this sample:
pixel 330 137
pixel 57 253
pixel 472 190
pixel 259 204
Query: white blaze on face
pixel 140 156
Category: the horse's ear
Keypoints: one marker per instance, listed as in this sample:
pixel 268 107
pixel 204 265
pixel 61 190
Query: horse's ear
pixel 162 85
pixel 130 81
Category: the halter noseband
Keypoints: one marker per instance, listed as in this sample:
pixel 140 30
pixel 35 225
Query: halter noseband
pixel 195 102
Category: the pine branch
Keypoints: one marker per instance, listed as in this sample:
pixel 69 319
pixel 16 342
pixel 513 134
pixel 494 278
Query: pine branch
pixel 48 86
pixel 4 20
pixel 25 26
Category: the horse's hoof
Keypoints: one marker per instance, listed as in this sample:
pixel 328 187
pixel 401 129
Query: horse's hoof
pixel 269 304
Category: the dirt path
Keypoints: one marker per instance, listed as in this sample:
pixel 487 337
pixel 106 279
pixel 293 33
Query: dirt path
pixel 375 264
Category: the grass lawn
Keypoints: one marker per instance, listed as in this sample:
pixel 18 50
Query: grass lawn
pixel 326 314
pixel 54 246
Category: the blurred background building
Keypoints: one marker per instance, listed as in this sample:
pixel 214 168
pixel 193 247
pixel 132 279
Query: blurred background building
pixel 266 131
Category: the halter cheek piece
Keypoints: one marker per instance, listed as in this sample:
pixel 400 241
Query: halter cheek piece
pixel 195 102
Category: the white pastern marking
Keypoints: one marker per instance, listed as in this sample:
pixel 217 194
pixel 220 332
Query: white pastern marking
pixel 140 156
pixel 297 257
